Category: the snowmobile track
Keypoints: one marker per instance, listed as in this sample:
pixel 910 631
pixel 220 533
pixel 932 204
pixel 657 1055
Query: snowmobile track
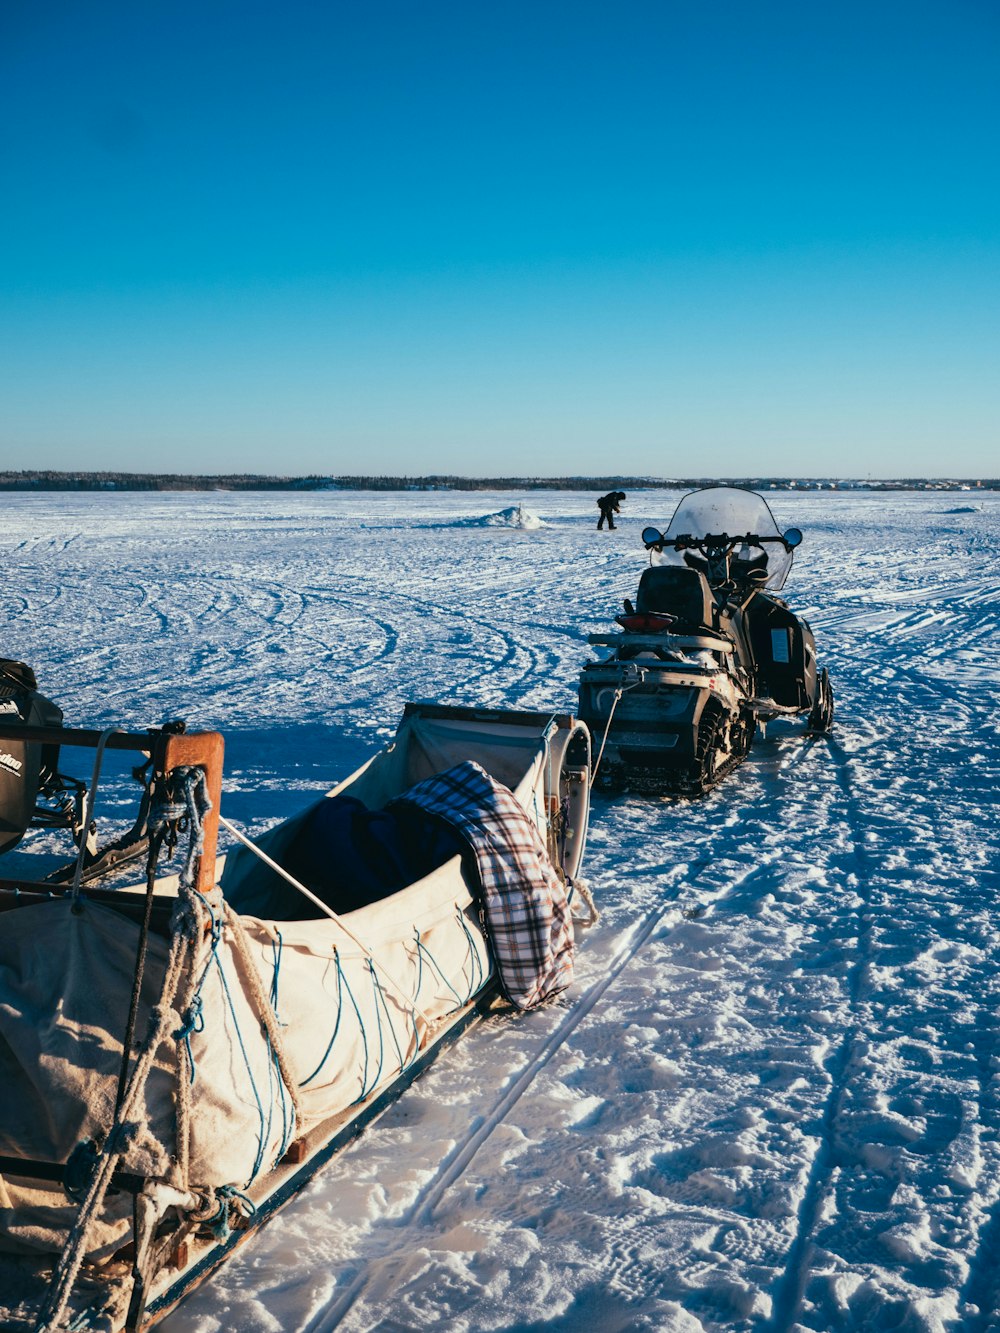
pixel 790 1286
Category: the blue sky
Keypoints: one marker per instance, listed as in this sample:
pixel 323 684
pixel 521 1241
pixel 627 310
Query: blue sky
pixel 535 238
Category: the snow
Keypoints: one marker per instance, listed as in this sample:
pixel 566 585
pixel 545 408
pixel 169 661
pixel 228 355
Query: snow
pixel 772 1099
pixel 515 516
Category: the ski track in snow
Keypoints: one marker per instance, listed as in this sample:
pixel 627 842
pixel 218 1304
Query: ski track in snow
pixel 771 1100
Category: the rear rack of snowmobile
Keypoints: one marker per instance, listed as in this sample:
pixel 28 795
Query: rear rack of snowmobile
pixel 716 643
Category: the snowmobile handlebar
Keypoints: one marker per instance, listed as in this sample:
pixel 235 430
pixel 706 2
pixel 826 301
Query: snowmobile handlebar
pixel 716 542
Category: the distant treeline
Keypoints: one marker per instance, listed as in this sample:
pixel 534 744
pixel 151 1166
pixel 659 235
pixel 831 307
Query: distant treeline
pixel 242 481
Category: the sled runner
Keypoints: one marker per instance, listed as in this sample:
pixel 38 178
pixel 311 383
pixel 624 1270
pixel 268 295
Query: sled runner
pixel 178 1058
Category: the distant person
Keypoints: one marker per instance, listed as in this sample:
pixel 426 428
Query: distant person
pixel 609 505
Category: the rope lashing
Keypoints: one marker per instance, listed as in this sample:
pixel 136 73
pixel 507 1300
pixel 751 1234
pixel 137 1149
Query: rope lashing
pixel 162 827
pixel 277 948
pixel 184 932
pixel 261 1137
pixel 422 953
pixel 476 973
pixel 580 887
pixel 184 798
pixel 68 1265
pixel 380 1000
pixel 401 991
pixel 193 1020
pixel 257 996
pixel 231 1203
pixel 620 690
pixel 341 983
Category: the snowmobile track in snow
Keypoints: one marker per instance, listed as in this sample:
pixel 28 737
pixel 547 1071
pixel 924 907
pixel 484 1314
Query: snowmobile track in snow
pixel 790 1287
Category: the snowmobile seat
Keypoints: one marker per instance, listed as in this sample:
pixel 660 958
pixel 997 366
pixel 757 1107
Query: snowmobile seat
pixel 677 591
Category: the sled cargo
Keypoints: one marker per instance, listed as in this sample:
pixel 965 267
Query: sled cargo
pixel 178 1058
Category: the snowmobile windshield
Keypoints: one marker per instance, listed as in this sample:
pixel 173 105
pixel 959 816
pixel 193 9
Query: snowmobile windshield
pixel 735 512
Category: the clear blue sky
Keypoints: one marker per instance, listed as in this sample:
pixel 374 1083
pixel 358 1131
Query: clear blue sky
pixel 541 238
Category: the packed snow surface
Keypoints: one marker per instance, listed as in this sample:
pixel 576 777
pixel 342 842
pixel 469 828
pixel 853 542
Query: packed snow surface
pixel 772 1099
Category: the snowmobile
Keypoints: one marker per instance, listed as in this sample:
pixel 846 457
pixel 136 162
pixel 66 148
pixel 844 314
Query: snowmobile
pixel 707 653
pixel 34 794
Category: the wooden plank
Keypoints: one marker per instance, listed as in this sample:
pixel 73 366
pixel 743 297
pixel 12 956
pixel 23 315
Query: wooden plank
pixel 200 749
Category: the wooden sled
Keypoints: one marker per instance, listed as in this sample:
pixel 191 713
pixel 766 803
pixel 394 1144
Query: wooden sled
pixel 176 1062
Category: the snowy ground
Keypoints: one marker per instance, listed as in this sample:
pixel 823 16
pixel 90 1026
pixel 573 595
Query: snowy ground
pixel 772 1099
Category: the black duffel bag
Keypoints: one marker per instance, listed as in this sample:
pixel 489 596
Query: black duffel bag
pixel 25 766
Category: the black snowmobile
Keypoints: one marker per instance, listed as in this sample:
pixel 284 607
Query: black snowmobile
pixel 34 794
pixel 706 654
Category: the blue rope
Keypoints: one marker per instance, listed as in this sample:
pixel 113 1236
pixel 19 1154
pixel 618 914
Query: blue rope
pixel 193 1020
pixel 422 949
pixel 261 1139
pixel 476 976
pixel 364 1040
pixel 336 1027
pixel 276 951
pixel 381 1043
pixel 287 1121
pixel 420 966
pixel 380 996
pixel 227 1196
pixel 274 1076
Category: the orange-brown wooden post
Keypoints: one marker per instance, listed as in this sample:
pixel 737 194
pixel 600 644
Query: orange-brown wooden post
pixel 201 749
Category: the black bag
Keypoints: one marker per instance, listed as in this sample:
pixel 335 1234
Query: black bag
pixel 24 765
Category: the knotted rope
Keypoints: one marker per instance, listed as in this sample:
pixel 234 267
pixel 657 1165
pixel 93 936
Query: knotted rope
pixel 185 931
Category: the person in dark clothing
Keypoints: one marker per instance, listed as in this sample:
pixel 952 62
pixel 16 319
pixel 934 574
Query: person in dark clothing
pixel 610 505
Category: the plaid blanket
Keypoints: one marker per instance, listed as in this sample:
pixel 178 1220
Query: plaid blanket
pixel 525 905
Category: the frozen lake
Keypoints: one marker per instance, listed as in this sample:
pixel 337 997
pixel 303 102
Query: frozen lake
pixel 772 1099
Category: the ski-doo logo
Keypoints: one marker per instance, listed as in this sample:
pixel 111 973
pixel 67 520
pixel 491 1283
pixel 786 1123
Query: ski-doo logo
pixel 9 706
pixel 8 762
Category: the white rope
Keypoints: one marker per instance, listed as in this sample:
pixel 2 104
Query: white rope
pixel 241 943
pixel 622 689
pixel 581 887
pixel 327 911
pixel 604 739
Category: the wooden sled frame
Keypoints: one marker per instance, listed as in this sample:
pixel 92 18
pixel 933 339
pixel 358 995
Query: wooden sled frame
pixel 168 750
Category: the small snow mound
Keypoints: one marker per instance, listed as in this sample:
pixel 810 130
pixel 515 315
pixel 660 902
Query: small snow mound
pixel 517 516
pixel 963 509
